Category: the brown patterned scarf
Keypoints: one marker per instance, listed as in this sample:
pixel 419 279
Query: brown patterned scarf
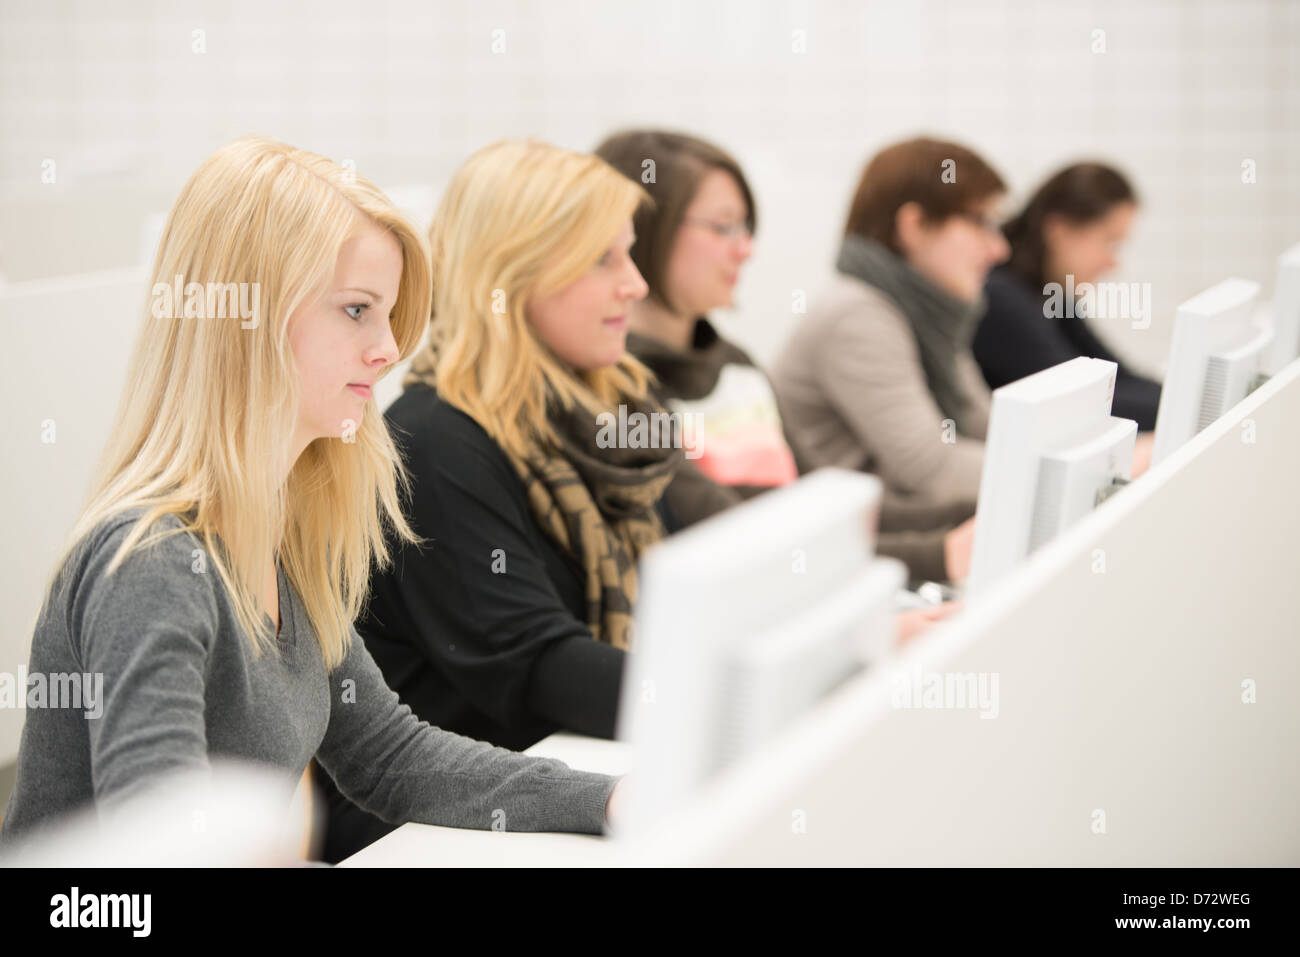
pixel 596 500
pixel 598 505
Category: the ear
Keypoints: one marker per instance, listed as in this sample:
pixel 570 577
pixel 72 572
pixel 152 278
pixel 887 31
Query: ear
pixel 909 225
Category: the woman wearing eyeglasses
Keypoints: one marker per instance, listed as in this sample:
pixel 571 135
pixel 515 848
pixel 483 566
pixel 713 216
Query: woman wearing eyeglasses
pixel 879 375
pixel 692 242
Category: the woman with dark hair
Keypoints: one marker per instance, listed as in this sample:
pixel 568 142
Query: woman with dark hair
pixel 879 375
pixel 1070 227
pixel 693 240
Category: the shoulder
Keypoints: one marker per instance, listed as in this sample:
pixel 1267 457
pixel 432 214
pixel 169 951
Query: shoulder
pixel 166 574
pixel 165 546
pixel 420 420
pixel 438 439
pixel 732 354
pixel 1009 297
pixel 853 307
pixel 860 321
pixel 849 322
pixel 422 413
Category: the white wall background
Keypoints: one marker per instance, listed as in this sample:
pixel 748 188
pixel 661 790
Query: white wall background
pixel 114 94
pixel 1186 90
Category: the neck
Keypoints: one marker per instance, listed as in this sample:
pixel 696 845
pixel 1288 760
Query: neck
pixel 294 452
pixel 1050 271
pixel 656 321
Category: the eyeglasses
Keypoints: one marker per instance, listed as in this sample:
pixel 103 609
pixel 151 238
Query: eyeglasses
pixel 983 222
pixel 723 230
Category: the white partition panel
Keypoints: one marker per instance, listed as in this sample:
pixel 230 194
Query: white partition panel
pixel 69 340
pixel 1145 710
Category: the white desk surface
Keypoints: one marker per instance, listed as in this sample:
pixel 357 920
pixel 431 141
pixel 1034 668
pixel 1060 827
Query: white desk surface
pixel 425 845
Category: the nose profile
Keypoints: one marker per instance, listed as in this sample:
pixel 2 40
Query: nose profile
pixel 634 286
pixel 385 350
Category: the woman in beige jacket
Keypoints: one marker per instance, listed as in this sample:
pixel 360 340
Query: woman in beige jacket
pixel 879 375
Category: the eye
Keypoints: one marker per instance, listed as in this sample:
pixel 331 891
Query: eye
pixel 358 306
pixel 605 259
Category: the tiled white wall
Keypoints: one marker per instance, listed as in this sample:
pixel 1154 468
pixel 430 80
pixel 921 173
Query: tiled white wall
pixel 115 95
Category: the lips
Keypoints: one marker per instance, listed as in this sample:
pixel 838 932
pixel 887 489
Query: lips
pixel 361 389
pixel 617 322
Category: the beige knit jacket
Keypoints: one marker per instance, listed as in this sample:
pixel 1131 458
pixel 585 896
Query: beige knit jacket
pixel 851 382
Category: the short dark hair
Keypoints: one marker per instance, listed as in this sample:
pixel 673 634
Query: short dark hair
pixel 914 171
pixel 680 162
pixel 1081 193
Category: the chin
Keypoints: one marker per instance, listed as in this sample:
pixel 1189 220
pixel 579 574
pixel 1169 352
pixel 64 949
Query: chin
pixel 975 289
pixel 605 359
pixel 356 414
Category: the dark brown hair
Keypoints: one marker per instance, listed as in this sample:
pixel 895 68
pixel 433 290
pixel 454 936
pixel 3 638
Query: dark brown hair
pixel 913 172
pixel 680 162
pixel 1081 193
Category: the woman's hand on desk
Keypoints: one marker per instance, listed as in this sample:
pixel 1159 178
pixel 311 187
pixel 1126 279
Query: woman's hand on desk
pixel 912 623
pixel 1142 448
pixel 957 545
pixel 614 801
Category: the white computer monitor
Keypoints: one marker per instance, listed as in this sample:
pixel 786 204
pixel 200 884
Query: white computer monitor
pixel 1053 453
pixel 1286 310
pixel 1219 355
pixel 744 621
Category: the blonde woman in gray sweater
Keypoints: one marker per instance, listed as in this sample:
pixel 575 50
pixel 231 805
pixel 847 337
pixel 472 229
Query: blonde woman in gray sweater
pixel 213 577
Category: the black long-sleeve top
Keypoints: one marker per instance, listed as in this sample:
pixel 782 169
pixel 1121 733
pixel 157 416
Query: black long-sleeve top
pixel 481 630
pixel 1015 340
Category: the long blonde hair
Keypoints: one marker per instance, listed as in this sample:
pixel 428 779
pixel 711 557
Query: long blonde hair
pixel 520 219
pixel 211 403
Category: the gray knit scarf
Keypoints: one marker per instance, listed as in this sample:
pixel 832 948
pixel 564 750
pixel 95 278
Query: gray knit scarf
pixel 943 324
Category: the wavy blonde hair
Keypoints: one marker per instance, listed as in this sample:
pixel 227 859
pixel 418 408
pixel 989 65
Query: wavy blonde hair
pixel 520 219
pixel 209 403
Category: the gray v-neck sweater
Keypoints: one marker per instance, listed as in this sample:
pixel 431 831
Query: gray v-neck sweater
pixel 180 684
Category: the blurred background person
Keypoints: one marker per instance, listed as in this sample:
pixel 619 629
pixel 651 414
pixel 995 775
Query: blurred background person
pixel 879 375
pixel 693 240
pixel 1072 226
